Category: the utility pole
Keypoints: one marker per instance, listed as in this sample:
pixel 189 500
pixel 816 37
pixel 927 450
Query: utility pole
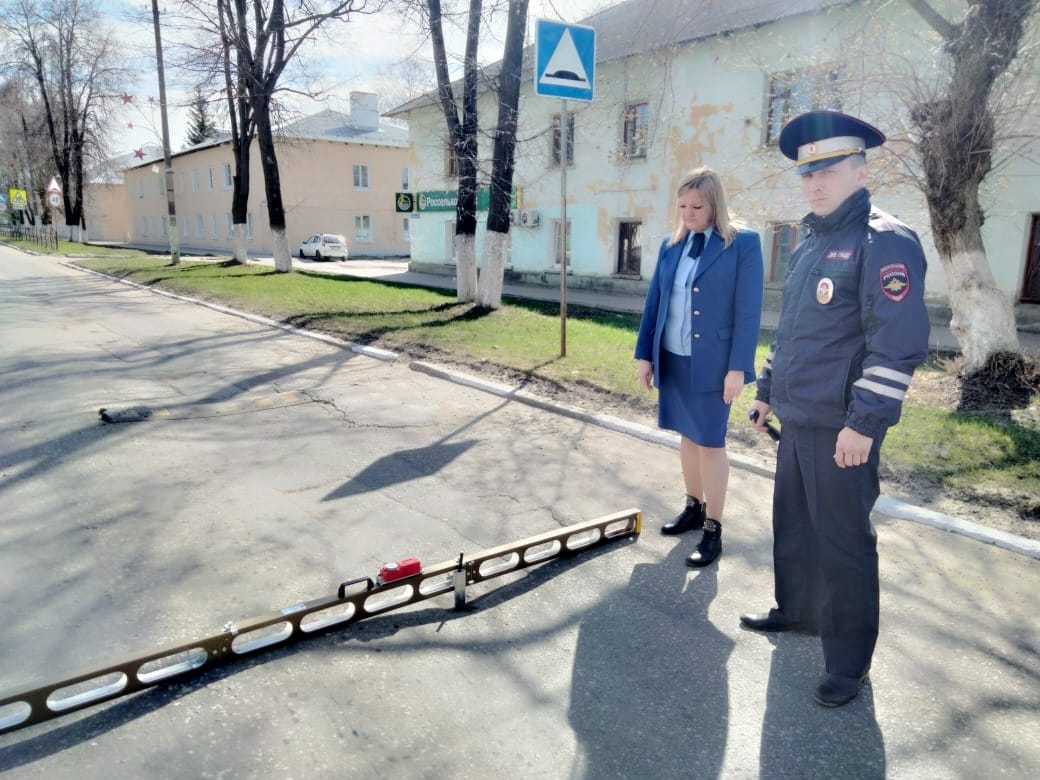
pixel 174 233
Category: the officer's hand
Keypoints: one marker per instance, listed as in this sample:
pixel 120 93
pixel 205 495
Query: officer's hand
pixel 645 374
pixel 758 422
pixel 852 448
pixel 732 386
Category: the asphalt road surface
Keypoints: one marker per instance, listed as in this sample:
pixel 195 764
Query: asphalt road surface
pixel 282 465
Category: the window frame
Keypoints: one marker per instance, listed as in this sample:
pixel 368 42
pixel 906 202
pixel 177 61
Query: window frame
pixel 556 138
pixel 363 228
pixel 554 253
pixel 792 92
pixel 361 177
pixel 784 236
pixel 451 161
pixel 635 120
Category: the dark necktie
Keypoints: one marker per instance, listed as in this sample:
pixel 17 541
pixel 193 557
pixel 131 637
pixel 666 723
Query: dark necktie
pixel 697 246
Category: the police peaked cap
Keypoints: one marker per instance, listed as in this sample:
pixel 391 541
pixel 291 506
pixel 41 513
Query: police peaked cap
pixel 817 139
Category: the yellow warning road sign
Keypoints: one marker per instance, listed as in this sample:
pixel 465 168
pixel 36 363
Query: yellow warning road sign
pixel 18 198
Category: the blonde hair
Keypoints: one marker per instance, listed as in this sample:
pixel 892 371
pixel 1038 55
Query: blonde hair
pixel 708 183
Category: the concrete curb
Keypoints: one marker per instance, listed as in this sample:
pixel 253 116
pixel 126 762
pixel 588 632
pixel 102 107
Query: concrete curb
pixel 886 506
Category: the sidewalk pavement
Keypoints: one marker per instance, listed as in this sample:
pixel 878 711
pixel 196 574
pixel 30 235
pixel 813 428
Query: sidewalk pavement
pixel 940 339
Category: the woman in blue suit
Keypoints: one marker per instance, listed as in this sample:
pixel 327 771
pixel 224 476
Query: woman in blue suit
pixel 697 344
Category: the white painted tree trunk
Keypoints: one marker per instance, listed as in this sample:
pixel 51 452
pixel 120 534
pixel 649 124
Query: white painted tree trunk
pixel 280 247
pixel 983 316
pixel 492 269
pixel 239 244
pixel 466 267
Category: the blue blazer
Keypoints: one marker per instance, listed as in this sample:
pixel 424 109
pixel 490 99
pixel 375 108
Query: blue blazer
pixel 726 301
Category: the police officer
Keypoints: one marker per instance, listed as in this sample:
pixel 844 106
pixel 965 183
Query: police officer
pixel 853 327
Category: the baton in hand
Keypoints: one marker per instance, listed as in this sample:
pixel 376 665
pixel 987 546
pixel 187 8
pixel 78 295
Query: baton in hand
pixel 771 429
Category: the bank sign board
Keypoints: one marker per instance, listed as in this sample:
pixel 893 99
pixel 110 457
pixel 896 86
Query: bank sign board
pixel 447 200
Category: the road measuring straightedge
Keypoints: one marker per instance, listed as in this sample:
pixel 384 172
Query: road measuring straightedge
pixel 397 585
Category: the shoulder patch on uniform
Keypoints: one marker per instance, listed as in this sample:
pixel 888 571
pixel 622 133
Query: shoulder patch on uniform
pixel 895 281
pixel 880 221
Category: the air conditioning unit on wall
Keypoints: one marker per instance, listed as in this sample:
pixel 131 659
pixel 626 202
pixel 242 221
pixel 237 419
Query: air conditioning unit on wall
pixel 514 216
pixel 529 217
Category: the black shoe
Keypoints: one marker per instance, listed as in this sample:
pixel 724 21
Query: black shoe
pixel 709 547
pixel 690 519
pixel 835 690
pixel 772 621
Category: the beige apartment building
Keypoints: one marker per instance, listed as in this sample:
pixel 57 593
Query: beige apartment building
pixel 339 174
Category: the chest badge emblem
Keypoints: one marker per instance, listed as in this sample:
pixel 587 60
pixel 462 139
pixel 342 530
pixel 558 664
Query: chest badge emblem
pixel 824 290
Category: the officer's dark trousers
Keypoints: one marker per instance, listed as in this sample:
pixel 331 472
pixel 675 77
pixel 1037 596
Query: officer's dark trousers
pixel 824 548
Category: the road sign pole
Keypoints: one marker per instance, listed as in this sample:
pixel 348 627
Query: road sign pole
pixel 565 67
pixel 563 227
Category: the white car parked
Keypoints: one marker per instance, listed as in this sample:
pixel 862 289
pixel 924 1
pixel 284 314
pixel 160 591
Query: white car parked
pixel 324 245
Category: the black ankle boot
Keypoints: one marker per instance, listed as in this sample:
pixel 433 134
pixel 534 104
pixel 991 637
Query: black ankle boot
pixel 709 547
pixel 690 519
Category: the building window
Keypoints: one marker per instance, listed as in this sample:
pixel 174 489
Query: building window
pixel 194 179
pixel 165 226
pixel 786 236
pixel 637 126
pixel 249 226
pixel 405 179
pixel 184 226
pixel 228 179
pixel 449 241
pixel 554 143
pixel 363 227
pixel 630 248
pixel 360 177
pixel 144 227
pixel 230 225
pixel 406 229
pixel 209 172
pixel 451 161
pixel 199 226
pixel 213 226
pixel 555 251
pixel 794 92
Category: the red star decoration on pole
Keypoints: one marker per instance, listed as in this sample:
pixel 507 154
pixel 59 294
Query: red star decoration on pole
pixel 130 125
pixel 126 98
pixel 139 154
pixel 151 100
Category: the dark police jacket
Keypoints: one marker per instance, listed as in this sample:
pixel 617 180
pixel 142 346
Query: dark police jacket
pixel 853 324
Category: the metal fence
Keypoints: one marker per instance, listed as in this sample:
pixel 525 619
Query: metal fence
pixel 44 236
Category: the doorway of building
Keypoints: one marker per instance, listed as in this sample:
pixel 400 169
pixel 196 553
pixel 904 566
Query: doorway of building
pixel 1031 282
pixel 630 248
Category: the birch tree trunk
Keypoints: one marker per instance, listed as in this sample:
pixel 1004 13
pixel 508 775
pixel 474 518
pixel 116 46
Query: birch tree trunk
pixel 957 134
pixel 496 242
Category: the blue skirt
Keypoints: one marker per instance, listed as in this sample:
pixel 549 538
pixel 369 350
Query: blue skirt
pixel 702 417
